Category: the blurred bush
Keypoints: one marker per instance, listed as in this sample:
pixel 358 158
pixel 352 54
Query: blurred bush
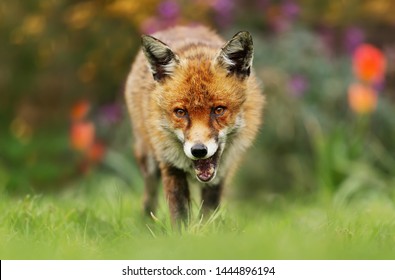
pixel 312 139
pixel 344 13
pixel 58 54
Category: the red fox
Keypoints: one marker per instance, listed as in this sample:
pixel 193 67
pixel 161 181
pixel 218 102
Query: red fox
pixel 195 107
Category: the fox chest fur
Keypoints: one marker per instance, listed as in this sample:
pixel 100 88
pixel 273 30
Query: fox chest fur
pixel 195 107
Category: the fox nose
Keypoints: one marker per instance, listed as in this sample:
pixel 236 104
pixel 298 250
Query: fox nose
pixel 199 150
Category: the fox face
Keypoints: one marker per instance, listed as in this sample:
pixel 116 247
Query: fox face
pixel 200 96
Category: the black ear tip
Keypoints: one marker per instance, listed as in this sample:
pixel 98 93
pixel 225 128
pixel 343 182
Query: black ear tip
pixel 243 34
pixel 147 39
pixel 243 38
pixel 144 39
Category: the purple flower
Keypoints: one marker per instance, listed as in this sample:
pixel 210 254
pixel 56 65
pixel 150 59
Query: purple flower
pixel 110 114
pixel 223 6
pixel 290 9
pixel 224 12
pixel 280 16
pixel 353 37
pixel 298 85
pixel 379 86
pixel 168 9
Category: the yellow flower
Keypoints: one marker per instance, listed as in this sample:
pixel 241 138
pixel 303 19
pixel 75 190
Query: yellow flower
pixel 362 99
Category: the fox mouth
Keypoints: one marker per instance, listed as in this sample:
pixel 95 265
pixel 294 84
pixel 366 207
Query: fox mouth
pixel 206 168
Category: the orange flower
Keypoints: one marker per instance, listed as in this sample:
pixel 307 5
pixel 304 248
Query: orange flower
pixel 369 63
pixel 80 110
pixel 362 98
pixel 82 136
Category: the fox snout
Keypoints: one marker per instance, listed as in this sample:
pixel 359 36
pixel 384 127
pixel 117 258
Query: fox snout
pixel 204 158
pixel 199 149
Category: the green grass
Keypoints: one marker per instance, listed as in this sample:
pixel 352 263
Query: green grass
pixel 102 220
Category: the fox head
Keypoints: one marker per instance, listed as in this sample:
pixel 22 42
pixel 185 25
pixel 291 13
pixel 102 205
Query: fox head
pixel 200 92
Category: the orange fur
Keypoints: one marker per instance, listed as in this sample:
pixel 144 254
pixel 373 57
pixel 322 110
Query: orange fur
pixel 198 83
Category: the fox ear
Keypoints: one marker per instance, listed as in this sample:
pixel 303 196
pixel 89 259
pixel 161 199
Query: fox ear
pixel 236 56
pixel 161 58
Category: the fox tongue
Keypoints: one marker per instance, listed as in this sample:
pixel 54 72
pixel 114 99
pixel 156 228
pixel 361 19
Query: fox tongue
pixel 204 168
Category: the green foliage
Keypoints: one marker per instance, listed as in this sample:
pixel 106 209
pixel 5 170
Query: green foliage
pixel 39 162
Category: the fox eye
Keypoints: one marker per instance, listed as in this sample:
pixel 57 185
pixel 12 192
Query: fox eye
pixel 219 111
pixel 180 113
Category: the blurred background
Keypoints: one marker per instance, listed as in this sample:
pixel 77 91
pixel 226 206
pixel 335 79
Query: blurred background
pixel 328 70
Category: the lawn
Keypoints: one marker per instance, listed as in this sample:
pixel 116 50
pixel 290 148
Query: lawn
pixel 101 219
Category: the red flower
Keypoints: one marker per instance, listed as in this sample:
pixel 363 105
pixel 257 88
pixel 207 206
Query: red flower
pixel 369 63
pixel 362 98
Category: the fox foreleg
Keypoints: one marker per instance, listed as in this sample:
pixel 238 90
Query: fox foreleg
pixel 176 192
pixel 211 196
